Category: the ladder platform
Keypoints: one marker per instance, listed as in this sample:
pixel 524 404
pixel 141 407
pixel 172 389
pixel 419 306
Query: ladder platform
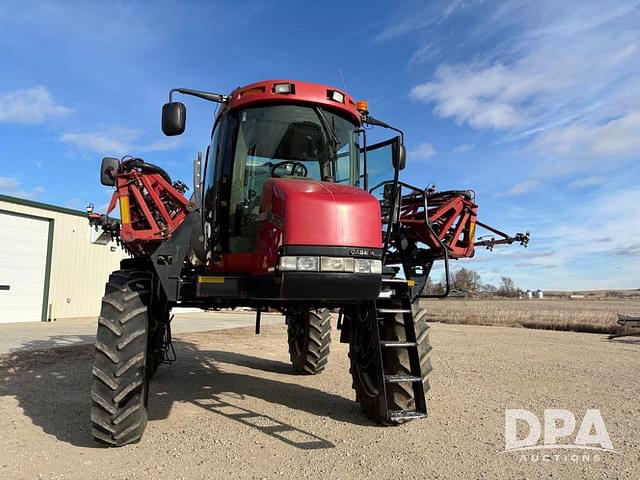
pixel 399 415
pixel 401 378
pixel 397 344
pixel 394 310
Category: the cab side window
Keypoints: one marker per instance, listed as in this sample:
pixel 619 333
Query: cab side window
pixel 210 191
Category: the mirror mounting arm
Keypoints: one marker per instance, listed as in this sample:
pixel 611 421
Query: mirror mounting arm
pixel 211 97
pixel 379 123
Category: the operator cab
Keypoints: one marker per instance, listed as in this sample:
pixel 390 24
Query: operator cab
pixel 254 144
pixel 286 188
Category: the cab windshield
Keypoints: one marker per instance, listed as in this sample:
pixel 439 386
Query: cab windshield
pixel 285 141
pixel 317 139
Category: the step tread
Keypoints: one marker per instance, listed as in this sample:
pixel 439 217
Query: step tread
pixel 394 310
pixel 406 415
pixel 395 343
pixel 401 378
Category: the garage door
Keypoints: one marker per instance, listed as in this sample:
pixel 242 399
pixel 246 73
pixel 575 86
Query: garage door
pixel 23 262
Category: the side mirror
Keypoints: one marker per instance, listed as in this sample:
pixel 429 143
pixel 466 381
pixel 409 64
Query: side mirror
pixel 108 171
pixel 174 118
pixel 400 157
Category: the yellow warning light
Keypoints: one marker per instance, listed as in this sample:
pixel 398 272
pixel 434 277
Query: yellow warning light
pixel 252 91
pixel 362 106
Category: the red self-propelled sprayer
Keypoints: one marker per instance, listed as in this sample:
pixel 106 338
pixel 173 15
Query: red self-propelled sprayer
pixel 294 212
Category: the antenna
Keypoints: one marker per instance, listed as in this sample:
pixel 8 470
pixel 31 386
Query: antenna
pixel 344 84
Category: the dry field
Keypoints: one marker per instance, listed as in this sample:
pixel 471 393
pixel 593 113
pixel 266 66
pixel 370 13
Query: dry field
pixel 581 315
pixel 230 408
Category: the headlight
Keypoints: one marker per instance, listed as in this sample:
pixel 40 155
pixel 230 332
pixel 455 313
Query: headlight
pixel 307 264
pixel 336 264
pixel 287 263
pixel 363 265
pixel 329 264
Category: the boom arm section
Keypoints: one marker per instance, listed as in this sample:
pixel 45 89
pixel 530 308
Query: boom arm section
pixel 425 225
pixel 151 207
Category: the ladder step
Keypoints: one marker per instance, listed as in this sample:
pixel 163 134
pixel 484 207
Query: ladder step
pixel 399 415
pixel 394 310
pixel 394 280
pixel 393 343
pixel 401 378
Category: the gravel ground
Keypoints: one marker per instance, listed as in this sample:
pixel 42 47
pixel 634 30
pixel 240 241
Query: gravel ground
pixel 230 408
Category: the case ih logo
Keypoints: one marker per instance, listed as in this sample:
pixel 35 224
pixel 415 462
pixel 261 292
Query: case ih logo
pixel 277 220
pixel 558 424
pixel 363 252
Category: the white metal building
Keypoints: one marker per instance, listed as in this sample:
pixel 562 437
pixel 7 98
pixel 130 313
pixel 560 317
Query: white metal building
pixel 50 265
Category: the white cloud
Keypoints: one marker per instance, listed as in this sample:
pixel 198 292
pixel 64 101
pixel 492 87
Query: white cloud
pixel 618 138
pixel 523 187
pixel 11 186
pixel 162 145
pixel 116 141
pixel 568 82
pixel 475 96
pixel 588 182
pixel 432 13
pixel 422 151
pixel 632 250
pixel 423 54
pixel 31 105
pixel 9 183
pixel 465 147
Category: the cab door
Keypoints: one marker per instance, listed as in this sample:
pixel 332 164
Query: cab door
pixel 376 163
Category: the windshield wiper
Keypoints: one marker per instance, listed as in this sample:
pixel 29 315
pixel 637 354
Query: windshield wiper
pixel 330 134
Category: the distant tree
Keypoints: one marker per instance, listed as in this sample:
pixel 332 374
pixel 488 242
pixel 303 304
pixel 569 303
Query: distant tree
pixel 438 288
pixel 508 288
pixel 431 288
pixel 466 281
pixel 428 286
pixel 487 289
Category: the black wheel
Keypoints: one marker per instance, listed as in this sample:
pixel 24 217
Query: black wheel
pixel 158 322
pixel 363 358
pixel 309 335
pixel 120 381
pixel 400 396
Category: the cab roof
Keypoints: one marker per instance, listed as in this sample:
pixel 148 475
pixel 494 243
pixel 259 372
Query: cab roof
pixel 295 91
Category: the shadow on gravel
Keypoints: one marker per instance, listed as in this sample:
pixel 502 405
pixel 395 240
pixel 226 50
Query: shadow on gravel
pixel 55 341
pixel 52 388
pixel 626 340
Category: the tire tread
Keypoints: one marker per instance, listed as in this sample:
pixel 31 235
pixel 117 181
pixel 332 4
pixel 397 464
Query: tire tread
pixel 118 392
pixel 315 355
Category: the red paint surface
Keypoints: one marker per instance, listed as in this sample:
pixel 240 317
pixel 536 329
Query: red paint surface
pixel 309 212
pixel 305 92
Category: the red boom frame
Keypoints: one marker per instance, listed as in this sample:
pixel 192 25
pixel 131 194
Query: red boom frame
pixel 151 208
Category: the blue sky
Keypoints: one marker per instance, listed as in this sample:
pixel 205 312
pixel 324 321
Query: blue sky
pixel 534 105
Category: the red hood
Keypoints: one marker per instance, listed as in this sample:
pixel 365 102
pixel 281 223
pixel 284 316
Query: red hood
pixel 327 214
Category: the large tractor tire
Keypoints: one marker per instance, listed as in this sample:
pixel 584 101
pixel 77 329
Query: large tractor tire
pixel 120 381
pixel 309 335
pixel 365 366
